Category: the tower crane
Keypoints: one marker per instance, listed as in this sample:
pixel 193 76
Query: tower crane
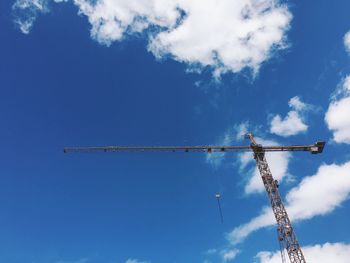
pixel 286 234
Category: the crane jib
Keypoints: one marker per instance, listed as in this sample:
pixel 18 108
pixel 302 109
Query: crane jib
pixel 313 148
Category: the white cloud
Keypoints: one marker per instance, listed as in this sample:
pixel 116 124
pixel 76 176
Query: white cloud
pixel 133 260
pixel 226 35
pixel 26 12
pixel 229 255
pixel 333 187
pixel 293 123
pixel 347 41
pixel 255 27
pixel 296 104
pixel 328 252
pixel 278 163
pixel 303 202
pixel 238 234
pixel 337 115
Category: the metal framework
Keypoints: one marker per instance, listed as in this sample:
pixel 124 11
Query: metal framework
pixel 286 235
pixel 313 148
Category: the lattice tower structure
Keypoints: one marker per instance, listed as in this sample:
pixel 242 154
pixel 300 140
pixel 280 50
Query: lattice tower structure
pixel 286 233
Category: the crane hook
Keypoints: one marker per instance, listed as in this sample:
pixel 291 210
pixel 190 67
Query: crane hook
pixel 218 196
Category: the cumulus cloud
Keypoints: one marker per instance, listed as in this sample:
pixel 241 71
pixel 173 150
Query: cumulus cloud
pixel 328 252
pixel 347 41
pixel 303 202
pixel 293 123
pixel 227 36
pixel 278 162
pixel 239 34
pixel 337 115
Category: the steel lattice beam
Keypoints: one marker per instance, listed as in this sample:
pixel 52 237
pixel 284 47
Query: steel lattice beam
pixel 286 234
pixel 313 148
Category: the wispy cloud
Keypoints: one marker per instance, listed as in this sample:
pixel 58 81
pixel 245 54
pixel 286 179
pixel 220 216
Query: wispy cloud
pixel 229 255
pixel 133 260
pixel 337 115
pixel 239 35
pixel 294 122
pixel 241 130
pixel 328 252
pixel 216 158
pixel 26 12
pixel 211 251
pixel 303 202
pixel 233 134
pixel 347 42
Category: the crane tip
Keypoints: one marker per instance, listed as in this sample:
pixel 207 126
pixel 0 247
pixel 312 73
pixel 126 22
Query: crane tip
pixel 318 147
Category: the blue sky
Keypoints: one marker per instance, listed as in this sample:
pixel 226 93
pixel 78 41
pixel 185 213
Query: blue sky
pixel 171 73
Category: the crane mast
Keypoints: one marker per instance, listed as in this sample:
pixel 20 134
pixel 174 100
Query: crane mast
pixel 286 235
